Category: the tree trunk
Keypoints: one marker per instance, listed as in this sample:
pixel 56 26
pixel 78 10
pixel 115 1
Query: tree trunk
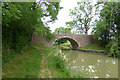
pixel 86 32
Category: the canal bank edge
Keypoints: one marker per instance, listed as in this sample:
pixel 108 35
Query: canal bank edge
pixel 95 51
pixel 86 50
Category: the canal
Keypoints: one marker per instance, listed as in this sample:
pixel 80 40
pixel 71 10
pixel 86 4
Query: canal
pixel 90 65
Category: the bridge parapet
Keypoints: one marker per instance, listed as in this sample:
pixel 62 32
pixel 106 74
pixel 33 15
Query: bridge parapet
pixel 76 41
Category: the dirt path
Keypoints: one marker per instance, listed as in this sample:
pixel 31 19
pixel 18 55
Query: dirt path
pixel 45 71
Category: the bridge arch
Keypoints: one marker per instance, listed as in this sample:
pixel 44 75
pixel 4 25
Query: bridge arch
pixel 74 43
pixel 77 41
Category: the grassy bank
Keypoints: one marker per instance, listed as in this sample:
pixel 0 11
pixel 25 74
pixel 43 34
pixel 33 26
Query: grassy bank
pixel 37 61
pixel 93 47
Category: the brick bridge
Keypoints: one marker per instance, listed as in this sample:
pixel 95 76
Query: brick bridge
pixel 76 41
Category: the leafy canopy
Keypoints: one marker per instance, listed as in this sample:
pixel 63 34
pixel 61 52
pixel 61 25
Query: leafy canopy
pixel 20 21
pixel 108 27
pixel 82 16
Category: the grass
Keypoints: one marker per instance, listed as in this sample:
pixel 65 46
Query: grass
pixel 93 47
pixel 24 65
pixel 58 67
pixel 28 64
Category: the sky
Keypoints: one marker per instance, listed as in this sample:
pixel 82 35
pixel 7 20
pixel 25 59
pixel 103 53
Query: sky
pixel 63 15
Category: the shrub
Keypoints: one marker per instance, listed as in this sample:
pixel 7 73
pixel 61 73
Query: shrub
pixel 112 48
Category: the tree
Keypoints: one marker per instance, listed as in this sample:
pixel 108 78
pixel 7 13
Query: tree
pixel 62 30
pixel 21 20
pixel 61 40
pixel 107 28
pixel 82 16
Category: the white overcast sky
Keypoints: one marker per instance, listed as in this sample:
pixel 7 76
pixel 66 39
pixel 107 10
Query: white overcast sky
pixel 63 15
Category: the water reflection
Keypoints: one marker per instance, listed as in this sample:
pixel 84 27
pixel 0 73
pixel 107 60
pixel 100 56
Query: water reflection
pixel 91 65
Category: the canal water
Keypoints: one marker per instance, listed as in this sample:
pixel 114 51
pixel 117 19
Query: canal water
pixel 90 65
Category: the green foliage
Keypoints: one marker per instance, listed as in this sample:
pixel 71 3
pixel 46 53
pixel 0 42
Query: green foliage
pixel 101 32
pixel 52 9
pixel 0 14
pixel 18 22
pixel 7 54
pixel 95 46
pixel 60 63
pixel 50 36
pixel 57 64
pixel 112 48
pixel 107 27
pixel 61 40
pixel 82 16
pixel 28 64
pixel 10 11
pixel 22 20
pixel 65 45
pixel 62 30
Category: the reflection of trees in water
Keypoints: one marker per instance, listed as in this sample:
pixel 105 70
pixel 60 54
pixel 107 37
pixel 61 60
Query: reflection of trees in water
pixel 70 56
pixel 91 65
pixel 76 60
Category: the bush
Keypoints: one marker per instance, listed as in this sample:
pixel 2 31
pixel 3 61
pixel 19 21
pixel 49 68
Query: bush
pixel 112 48
pixel 50 36
pixel 60 64
pixel 61 40
pixel 7 53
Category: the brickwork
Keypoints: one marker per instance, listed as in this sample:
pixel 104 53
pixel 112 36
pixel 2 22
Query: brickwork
pixel 76 40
